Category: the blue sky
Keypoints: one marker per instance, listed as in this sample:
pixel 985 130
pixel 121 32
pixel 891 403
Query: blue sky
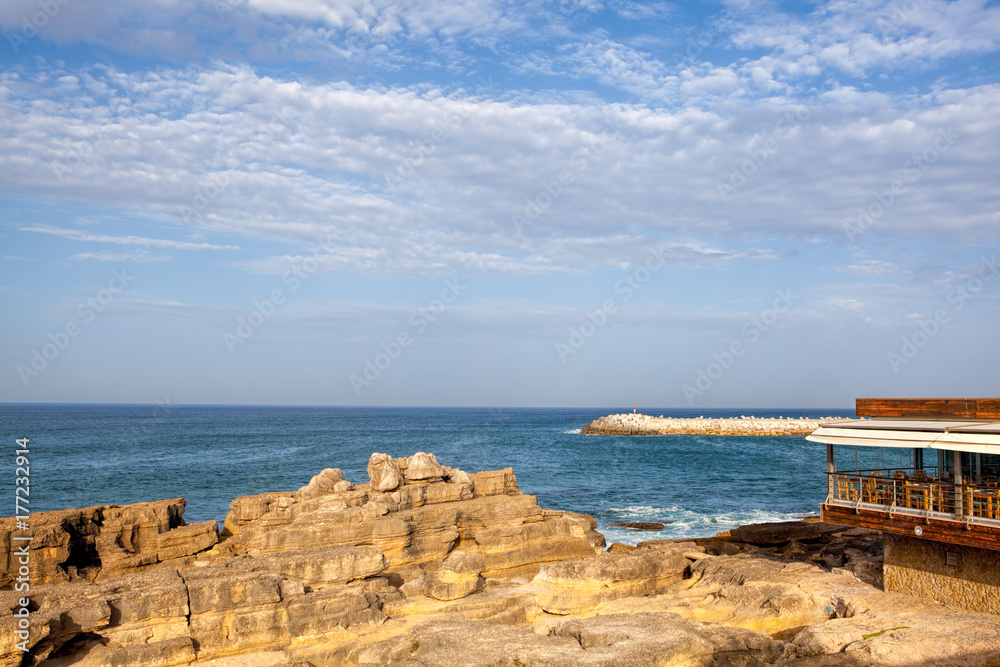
pixel 483 202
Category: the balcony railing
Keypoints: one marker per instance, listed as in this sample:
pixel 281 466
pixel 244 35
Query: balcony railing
pixel 916 492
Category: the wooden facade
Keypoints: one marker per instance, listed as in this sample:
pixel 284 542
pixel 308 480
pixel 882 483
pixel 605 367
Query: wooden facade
pixel 940 514
pixel 929 408
pixel 950 503
pixel 949 532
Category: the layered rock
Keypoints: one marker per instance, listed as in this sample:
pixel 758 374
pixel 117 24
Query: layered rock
pixel 170 617
pixel 458 569
pixel 460 575
pixel 424 512
pixel 577 585
pixel 294 569
pixel 104 541
pixel 637 424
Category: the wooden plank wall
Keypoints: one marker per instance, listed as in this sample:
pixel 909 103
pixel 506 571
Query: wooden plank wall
pixel 949 532
pixel 929 408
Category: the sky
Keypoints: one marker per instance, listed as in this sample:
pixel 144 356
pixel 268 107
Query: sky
pixel 498 203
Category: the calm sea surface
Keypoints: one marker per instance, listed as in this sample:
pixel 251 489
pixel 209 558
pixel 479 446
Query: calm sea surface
pixel 699 485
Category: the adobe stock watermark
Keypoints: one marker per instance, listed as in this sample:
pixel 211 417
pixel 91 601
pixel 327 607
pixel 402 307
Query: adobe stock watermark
pixel 927 330
pixel 751 332
pixel 21 555
pixel 87 310
pixel 913 170
pixel 758 155
pixel 418 322
pixel 552 189
pixel 596 319
pixel 33 24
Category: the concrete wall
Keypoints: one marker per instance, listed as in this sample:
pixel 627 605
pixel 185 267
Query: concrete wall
pixel 920 567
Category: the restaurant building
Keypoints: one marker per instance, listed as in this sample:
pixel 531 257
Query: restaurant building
pixel 939 508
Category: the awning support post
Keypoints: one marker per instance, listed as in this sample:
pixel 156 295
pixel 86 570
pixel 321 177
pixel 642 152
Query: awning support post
pixel 829 472
pixel 959 500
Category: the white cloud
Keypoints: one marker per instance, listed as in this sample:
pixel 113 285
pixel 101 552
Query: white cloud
pixel 857 36
pixel 413 180
pixel 119 257
pixel 78 235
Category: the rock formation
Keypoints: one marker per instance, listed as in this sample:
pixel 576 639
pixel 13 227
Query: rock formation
pixel 449 568
pixel 105 541
pixel 636 424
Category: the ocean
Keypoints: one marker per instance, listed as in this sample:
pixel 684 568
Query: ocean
pixel 697 485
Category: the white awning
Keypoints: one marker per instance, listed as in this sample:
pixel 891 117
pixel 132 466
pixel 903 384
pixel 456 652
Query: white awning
pixel 982 437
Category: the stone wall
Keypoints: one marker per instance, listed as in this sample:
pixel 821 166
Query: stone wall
pixel 920 567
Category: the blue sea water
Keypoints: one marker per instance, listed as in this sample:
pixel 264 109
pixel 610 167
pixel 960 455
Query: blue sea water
pixel 84 455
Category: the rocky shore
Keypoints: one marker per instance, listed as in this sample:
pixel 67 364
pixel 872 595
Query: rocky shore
pixel 639 424
pixel 427 565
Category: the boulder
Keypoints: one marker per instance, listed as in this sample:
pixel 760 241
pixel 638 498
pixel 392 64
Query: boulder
pixel 458 577
pixel 495 483
pixel 638 525
pixel 423 467
pixel 384 473
pixel 327 482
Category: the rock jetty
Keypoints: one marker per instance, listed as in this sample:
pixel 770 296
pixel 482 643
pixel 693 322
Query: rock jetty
pixel 426 565
pixel 639 424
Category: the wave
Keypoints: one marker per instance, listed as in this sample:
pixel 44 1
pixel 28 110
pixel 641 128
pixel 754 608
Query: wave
pixel 681 523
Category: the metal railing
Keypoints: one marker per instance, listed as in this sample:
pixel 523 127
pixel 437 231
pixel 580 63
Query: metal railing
pixel 916 492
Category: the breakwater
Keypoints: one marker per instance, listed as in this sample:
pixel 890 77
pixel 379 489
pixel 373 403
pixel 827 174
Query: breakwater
pixel 639 424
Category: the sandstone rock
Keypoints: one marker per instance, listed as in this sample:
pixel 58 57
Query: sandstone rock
pixel 495 482
pixel 782 532
pixel 252 509
pixel 424 522
pixel 323 484
pixel 337 579
pixel 384 472
pixel 574 585
pixel 325 567
pixel 729 549
pixel 423 467
pixel 458 576
pixel 166 653
pixel 457 476
pixel 105 541
pixel 640 639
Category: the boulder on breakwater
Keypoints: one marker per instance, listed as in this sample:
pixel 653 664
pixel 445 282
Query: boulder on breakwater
pixel 639 424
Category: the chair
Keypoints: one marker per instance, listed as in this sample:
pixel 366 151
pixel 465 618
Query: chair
pixel 845 488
